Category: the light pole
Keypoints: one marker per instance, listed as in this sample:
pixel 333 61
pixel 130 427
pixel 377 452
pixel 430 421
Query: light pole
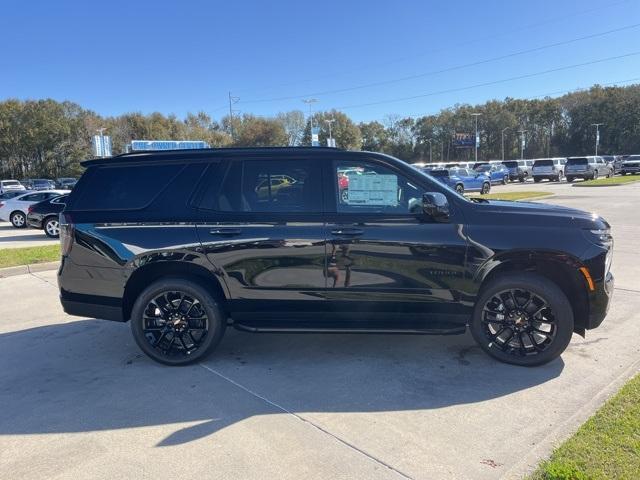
pixel 310 102
pixel 504 130
pixel 597 125
pixel 430 152
pixel 330 121
pixel 522 132
pixel 476 139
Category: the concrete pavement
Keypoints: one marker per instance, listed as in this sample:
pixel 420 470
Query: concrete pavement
pixel 80 400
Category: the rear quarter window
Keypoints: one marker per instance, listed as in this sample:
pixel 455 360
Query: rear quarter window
pixel 125 187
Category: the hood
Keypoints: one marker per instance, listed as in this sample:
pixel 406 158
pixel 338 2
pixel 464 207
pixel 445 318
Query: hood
pixel 543 214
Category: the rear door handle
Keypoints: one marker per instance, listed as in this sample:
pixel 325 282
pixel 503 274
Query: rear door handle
pixel 347 231
pixel 227 232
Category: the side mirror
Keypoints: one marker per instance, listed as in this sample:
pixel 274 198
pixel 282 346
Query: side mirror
pixel 436 205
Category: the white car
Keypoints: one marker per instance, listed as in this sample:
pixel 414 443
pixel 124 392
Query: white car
pixel 10 186
pixel 15 209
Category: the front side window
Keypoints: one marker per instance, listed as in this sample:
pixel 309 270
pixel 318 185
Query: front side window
pixel 363 187
pixel 271 186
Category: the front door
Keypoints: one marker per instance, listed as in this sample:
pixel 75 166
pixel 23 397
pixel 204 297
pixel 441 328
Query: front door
pixel 386 261
pixel 265 234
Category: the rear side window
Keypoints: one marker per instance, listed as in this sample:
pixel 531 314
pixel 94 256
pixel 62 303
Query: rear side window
pixel 543 163
pixel 125 187
pixel 271 186
pixel 577 161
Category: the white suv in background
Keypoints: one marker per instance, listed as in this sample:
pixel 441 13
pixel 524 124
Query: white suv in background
pixel 10 186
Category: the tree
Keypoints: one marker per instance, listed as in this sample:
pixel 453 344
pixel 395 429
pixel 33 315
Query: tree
pixel 293 124
pixel 346 133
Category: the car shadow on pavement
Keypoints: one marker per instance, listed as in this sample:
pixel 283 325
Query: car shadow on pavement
pixel 88 375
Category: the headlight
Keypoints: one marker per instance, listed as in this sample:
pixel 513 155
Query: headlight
pixel 601 237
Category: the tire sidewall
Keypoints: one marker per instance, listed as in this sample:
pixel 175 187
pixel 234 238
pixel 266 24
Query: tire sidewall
pixel 47 220
pixel 24 219
pixel 540 286
pixel 217 321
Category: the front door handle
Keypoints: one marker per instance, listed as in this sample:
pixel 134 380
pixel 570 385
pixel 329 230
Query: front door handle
pixel 227 232
pixel 352 232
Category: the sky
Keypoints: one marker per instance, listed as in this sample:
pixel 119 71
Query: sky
pixel 369 58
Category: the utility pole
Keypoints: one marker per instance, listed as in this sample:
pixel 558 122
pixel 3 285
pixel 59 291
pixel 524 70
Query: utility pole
pixel 597 125
pixel 476 139
pixel 522 141
pixel 330 121
pixel 503 130
pixel 232 101
pixel 310 102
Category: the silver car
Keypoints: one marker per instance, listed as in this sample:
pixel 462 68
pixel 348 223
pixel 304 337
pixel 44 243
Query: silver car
pixel 587 168
pixel 550 168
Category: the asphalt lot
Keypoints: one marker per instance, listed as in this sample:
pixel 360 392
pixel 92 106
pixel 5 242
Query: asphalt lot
pixel 79 400
pixel 11 237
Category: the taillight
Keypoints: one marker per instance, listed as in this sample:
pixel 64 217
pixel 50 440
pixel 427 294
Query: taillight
pixel 1 204
pixel 67 229
pixel 30 209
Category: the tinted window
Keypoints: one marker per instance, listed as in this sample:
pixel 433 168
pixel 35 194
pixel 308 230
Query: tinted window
pixel 439 173
pixel 7 183
pixel 271 186
pixel 372 188
pixel 34 197
pixel 543 163
pixel 577 161
pixel 512 164
pixel 125 187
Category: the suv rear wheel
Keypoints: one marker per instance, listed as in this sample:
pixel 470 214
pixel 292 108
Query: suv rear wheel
pixel 522 319
pixel 176 322
pixel 595 174
pixel 486 188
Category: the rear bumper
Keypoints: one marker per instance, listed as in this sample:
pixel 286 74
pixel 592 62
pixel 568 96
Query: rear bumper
pixel 34 222
pixel 600 301
pixel 630 169
pixel 105 308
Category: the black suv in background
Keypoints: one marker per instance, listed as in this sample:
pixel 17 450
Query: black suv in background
pixel 185 243
pixel 44 215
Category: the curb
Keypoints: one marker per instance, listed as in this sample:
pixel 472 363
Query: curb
pixel 26 269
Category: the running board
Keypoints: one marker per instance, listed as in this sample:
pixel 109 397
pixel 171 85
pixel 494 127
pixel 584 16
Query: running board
pixel 400 331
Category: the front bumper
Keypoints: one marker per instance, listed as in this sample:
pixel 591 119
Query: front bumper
pixel 600 301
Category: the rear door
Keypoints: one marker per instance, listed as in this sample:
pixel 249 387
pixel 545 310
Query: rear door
pixel 387 264
pixel 264 231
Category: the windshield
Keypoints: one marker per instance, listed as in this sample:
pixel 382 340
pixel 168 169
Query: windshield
pixel 543 163
pixel 577 161
pixel 512 164
pixel 41 182
pixel 10 182
pixel 632 157
pixel 483 168
pixel 439 173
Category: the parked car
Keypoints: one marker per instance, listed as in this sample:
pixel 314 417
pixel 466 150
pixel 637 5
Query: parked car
pixel 7 186
pixel 11 194
pixel 496 172
pixel 66 183
pixel 587 168
pixel 180 246
pixel 518 170
pixel 15 209
pixel 631 164
pixel 39 184
pixel 551 169
pixel 45 215
pixel 463 180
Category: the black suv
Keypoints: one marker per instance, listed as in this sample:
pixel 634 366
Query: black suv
pixel 186 243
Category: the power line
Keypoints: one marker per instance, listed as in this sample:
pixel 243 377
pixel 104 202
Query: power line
pixel 484 84
pixel 448 69
pixel 476 40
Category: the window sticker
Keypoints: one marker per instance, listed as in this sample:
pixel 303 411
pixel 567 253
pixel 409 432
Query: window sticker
pixel 371 189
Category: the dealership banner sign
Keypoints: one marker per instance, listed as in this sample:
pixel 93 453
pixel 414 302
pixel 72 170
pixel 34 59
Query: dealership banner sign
pixel 464 140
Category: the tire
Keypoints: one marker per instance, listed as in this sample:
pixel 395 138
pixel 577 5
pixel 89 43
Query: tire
pixel 549 328
pixel 537 179
pixel 460 188
pixel 522 178
pixel 569 179
pixel 164 331
pixel 505 180
pixel 18 219
pixel 344 195
pixel 51 227
pixel 595 175
pixel 486 188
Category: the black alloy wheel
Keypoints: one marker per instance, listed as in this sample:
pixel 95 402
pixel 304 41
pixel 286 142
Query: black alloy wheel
pixel 460 189
pixel 486 188
pixel 176 322
pixel 523 319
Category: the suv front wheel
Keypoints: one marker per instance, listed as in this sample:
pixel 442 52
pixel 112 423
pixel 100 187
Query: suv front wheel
pixel 522 319
pixel 176 322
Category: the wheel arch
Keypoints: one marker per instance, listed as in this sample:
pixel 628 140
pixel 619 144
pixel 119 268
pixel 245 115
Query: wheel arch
pixel 147 274
pixel 559 268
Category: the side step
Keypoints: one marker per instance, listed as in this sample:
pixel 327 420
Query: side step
pixel 411 328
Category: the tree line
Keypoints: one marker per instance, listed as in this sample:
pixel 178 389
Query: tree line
pixel 46 138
